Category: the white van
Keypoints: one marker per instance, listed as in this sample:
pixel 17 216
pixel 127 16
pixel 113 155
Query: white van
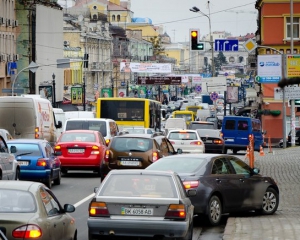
pixel 175 123
pixel 59 116
pixel 28 116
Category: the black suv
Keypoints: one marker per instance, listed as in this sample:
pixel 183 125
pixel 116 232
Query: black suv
pixel 297 137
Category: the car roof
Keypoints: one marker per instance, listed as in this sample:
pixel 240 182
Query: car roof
pixel 182 130
pixel 18 185
pixel 81 131
pixel 134 136
pixel 141 171
pixel 26 140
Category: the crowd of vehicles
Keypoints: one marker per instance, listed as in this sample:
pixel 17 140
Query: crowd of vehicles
pixel 160 167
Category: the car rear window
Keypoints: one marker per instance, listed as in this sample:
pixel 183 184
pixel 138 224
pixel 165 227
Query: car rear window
pixel 28 149
pixel 99 126
pixel 77 137
pixel 230 124
pixel 195 126
pixel 182 136
pixel 137 131
pixel 132 144
pixel 179 165
pixel 136 185
pixel 16 201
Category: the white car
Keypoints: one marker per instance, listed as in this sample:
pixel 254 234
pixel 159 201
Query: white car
pixel 187 140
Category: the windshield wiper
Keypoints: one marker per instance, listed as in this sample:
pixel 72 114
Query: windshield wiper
pixel 135 150
pixel 22 154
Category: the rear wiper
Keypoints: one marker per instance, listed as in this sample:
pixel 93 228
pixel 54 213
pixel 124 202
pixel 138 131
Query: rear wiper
pixel 22 154
pixel 135 150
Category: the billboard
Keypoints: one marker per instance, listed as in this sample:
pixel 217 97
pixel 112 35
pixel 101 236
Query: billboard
pixel 176 80
pixel 232 95
pixel 269 68
pixel 76 95
pixel 145 67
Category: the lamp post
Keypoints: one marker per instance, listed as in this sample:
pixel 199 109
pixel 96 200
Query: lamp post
pixel 211 41
pixel 53 91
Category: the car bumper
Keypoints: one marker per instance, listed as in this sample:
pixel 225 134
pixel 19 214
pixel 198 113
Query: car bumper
pixel 34 174
pixel 214 148
pixel 137 227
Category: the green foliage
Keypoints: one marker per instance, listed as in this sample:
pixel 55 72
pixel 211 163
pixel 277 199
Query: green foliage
pixel 157 46
pixel 219 61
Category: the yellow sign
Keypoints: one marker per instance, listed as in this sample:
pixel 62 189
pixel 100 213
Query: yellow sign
pixel 76 93
pixel 293 65
pixel 250 45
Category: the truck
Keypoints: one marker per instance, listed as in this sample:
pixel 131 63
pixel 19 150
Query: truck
pixel 29 116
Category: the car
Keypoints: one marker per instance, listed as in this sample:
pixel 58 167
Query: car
pixel 139 130
pixel 224 184
pixel 30 210
pixel 135 151
pixel 187 140
pixel 212 140
pixel 297 137
pixel 9 167
pixel 5 134
pixel 37 160
pixel 139 203
pixel 202 125
pixel 80 150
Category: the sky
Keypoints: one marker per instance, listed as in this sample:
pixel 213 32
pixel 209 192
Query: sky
pixel 237 17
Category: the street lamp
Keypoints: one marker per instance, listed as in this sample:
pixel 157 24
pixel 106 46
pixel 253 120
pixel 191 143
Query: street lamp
pixel 195 9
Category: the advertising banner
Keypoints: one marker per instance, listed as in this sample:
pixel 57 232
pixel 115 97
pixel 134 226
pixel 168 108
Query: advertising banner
pixel 106 92
pixel 293 65
pixel 145 67
pixel 46 92
pixel 159 80
pixel 76 95
pixel 232 95
pixel 269 68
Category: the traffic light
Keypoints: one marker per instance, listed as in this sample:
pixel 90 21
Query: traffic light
pixel 195 44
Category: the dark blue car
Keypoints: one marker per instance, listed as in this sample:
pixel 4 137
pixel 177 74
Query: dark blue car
pixel 37 161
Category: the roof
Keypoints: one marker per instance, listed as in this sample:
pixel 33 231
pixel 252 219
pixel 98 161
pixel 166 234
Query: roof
pixel 135 135
pixel 19 185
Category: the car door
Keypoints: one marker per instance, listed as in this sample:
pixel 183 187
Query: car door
pixel 54 161
pixel 227 183
pixel 7 163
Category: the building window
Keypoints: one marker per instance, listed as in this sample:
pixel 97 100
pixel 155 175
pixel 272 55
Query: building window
pixel 113 18
pixel 118 18
pixel 295 27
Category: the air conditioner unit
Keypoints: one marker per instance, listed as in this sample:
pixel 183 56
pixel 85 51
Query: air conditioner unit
pixel 66 43
pixel 16 57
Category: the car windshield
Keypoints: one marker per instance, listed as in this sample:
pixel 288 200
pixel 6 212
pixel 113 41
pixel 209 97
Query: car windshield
pixel 137 185
pixel 208 133
pixel 88 125
pixel 182 136
pixel 124 144
pixel 77 137
pixel 179 165
pixel 16 201
pixel 29 149
pixel 195 126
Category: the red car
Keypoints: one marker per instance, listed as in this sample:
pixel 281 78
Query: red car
pixel 80 150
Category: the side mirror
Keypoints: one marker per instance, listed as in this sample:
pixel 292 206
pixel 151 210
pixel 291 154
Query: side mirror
pixel 179 151
pixel 59 124
pixel 13 149
pixel 191 193
pixel 69 208
pixel 256 170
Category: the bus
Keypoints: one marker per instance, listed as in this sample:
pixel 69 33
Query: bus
pixel 129 112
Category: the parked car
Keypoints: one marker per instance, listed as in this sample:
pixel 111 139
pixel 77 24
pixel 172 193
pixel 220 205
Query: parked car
pixel 29 210
pixel 37 160
pixel 224 184
pixel 9 167
pixel 187 140
pixel 80 150
pixel 135 151
pixel 139 203
pixel 212 140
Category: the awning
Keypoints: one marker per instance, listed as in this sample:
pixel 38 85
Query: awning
pixel 251 94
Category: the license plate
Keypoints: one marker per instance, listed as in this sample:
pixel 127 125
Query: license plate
pixel 136 211
pixel 23 163
pixel 208 141
pixel 130 163
pixel 229 140
pixel 76 150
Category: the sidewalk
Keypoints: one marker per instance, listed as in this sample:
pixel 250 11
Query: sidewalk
pixel 284 166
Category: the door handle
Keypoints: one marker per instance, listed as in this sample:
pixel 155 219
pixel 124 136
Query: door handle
pixel 242 179
pixel 218 180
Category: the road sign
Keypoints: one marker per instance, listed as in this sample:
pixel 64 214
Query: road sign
pixel 214 96
pixel 250 45
pixel 214 84
pixel 290 93
pixel 198 89
pixel 226 45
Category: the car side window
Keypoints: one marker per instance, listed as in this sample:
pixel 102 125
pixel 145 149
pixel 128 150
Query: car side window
pixel 220 166
pixel 101 139
pixel 164 147
pixel 113 129
pixel 3 147
pixel 49 150
pixel 170 146
pixel 239 166
pixel 51 205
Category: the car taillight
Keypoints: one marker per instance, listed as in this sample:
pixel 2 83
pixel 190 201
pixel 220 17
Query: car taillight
pixel 190 184
pixel 98 209
pixel 36 133
pixel 41 162
pixel 218 141
pixel 155 156
pixel 172 142
pixel 196 143
pixel 27 231
pixel 95 150
pixel 107 141
pixel 176 211
pixel 57 148
pixel 106 157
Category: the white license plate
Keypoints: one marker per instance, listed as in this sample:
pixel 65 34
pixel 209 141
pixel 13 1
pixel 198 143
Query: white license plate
pixel 136 211
pixel 229 140
pixel 130 163
pixel 208 141
pixel 23 163
pixel 76 150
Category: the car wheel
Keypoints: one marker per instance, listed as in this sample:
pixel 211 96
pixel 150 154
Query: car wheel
pixel 214 211
pixel 0 175
pixel 17 176
pixel 58 179
pixel 270 202
pixel 234 151
pixel 64 171
pixel 48 182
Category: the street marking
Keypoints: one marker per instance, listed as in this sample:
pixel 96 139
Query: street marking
pixel 83 200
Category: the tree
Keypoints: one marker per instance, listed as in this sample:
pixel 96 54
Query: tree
pixel 220 60
pixel 158 49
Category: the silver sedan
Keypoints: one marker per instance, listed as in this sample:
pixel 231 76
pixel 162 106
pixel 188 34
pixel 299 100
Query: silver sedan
pixel 141 203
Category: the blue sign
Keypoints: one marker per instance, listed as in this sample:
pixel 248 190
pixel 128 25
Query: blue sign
pixel 198 89
pixel 123 84
pixel 149 92
pixel 214 96
pixel 226 45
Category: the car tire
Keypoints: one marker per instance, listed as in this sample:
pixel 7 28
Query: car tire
pixel 58 179
pixel 64 171
pixel 0 175
pixel 270 202
pixel 214 211
pixel 17 176
pixel 234 151
pixel 225 150
pixel 48 182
